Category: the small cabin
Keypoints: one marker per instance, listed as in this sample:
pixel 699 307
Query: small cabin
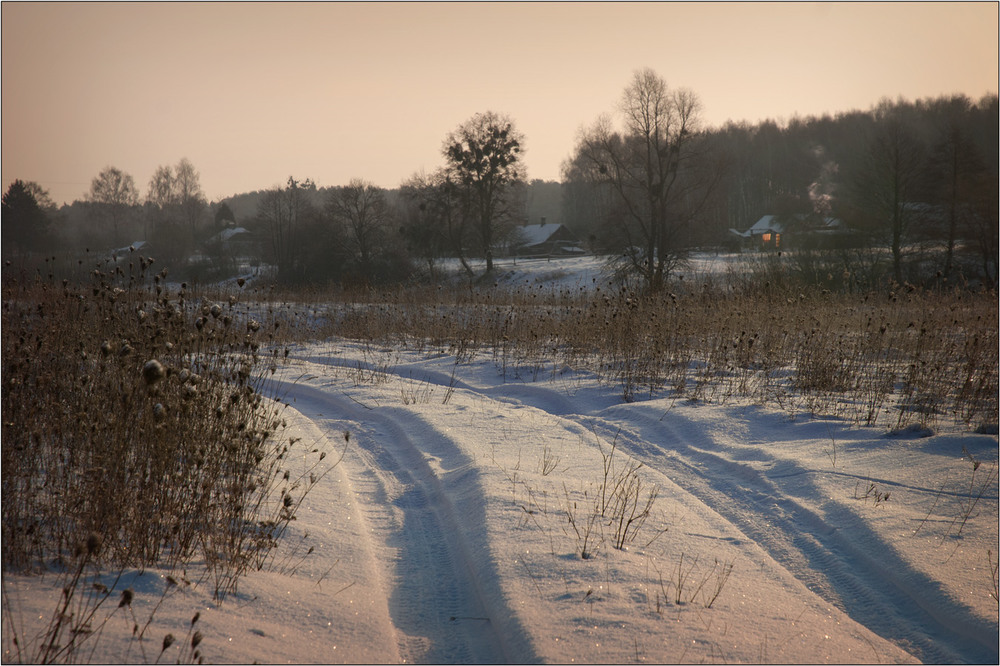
pixel 772 231
pixel 539 240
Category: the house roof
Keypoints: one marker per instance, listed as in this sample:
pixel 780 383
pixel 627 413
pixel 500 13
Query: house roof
pixel 227 234
pixel 771 224
pixel 535 234
pixel 134 247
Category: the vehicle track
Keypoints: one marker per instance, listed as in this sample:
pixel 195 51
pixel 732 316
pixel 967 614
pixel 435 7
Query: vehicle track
pixel 876 588
pixel 437 604
pixel 861 575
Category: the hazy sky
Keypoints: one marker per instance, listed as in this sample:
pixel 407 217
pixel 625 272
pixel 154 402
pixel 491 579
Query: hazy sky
pixel 252 93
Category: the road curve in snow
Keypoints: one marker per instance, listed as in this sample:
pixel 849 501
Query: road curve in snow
pixel 444 602
pixel 842 560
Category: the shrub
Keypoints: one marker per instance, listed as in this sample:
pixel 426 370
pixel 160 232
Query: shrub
pixel 138 415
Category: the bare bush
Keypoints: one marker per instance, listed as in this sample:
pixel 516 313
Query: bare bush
pixel 141 416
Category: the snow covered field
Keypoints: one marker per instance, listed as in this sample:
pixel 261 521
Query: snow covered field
pixel 584 272
pixel 454 526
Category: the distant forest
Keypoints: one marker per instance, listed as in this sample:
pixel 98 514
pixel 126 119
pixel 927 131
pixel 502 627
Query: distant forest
pixel 915 183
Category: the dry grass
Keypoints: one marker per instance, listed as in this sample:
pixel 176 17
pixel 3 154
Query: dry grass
pixel 885 358
pixel 139 415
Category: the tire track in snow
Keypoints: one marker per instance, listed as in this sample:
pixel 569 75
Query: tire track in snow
pixel 437 604
pixel 873 589
pixel 878 590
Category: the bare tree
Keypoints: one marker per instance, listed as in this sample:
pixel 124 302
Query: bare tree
pixel 956 170
pixel 284 213
pixel 651 168
pixel 187 184
pixel 484 159
pixel 437 218
pixel 982 224
pixel 42 196
pixel 362 212
pixel 113 194
pixel 161 192
pixel 889 178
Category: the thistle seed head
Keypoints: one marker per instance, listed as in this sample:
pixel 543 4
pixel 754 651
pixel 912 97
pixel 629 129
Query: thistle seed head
pixel 94 542
pixel 153 371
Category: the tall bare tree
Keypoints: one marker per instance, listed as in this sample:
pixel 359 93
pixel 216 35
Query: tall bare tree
pixel 284 213
pixel 437 216
pixel 113 194
pixel 483 157
pixel 362 212
pixel 651 166
pixel 174 204
pixel 889 179
pixel 161 192
pixel 956 171
pixel 187 183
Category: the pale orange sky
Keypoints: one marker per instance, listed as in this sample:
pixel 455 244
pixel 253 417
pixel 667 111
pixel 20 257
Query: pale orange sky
pixel 254 92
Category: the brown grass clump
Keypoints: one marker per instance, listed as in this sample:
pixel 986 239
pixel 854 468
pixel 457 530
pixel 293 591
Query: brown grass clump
pixel 138 416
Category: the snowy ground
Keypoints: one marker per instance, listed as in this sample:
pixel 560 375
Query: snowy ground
pixel 584 272
pixel 444 533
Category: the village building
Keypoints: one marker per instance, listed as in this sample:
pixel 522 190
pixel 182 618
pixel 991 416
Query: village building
pixel 775 231
pixel 546 239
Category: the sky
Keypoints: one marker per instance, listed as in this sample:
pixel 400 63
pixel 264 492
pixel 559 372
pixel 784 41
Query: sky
pixel 252 93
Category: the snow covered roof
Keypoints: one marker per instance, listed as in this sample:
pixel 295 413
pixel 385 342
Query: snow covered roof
pixel 227 234
pixel 766 224
pixel 769 224
pixel 134 247
pixel 533 234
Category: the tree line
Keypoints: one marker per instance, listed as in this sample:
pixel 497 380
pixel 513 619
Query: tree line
pixel 915 182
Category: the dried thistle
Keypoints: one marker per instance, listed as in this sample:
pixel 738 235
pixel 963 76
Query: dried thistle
pixel 153 371
pixel 94 542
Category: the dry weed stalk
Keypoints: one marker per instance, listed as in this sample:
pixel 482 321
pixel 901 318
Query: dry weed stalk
pixel 138 412
pixel 888 357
